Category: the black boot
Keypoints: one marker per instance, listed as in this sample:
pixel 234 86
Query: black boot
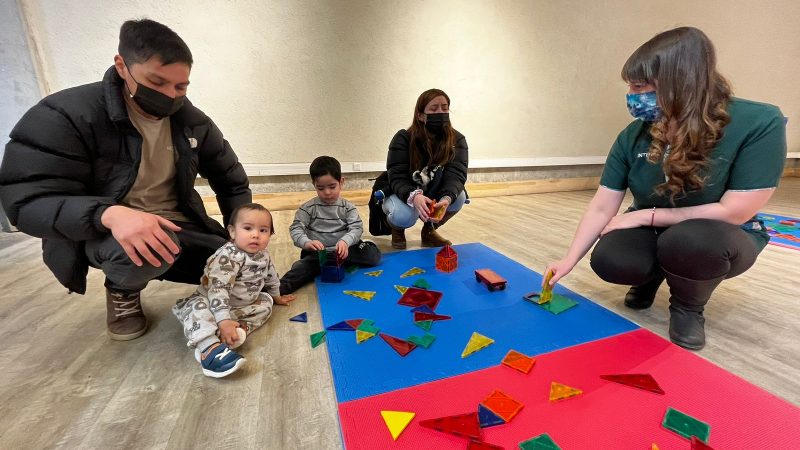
pixel 642 297
pixel 687 300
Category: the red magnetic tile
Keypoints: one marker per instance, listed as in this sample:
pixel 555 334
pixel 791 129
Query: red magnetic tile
pixel 638 380
pixel 401 346
pixel 418 297
pixel 464 425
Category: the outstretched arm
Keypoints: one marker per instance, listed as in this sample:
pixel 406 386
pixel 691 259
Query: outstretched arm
pixel 603 207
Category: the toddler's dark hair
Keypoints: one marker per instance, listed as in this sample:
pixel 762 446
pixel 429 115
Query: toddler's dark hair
pixel 325 165
pixel 252 207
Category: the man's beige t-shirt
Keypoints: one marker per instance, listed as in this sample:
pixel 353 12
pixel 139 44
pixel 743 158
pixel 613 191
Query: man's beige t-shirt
pixel 154 188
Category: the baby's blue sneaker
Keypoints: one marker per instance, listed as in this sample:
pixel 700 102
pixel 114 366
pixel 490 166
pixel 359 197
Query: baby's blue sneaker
pixel 221 362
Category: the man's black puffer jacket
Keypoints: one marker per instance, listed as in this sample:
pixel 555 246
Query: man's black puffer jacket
pixel 76 153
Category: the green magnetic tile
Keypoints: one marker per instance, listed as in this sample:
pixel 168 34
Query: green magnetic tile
pixel 317 338
pixel 424 341
pixel 541 442
pixel 686 425
pixel 557 304
pixel 368 327
pixel 424 324
pixel 422 284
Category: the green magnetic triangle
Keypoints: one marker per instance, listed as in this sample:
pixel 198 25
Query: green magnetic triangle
pixel 424 341
pixel 557 304
pixel 541 442
pixel 424 324
pixel 317 338
pixel 422 284
pixel 368 327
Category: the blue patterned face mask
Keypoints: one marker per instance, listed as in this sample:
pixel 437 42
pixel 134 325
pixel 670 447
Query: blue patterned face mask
pixel 644 106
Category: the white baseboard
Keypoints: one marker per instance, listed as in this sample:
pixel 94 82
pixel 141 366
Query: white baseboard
pixel 263 170
pixel 379 166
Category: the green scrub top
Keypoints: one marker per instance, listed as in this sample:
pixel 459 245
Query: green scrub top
pixel 749 157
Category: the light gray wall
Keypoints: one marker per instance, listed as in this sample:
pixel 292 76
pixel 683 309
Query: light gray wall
pixel 19 89
pixel 287 80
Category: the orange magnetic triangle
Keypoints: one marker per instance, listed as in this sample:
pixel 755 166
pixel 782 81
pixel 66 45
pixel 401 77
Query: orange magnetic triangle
pixel 638 380
pixel 502 405
pixel 560 391
pixel 397 421
pixel 399 345
pixel 401 289
pixel 412 271
pixel 363 295
pixel 518 361
pixel 654 447
pixel 464 425
pixel 476 342
pixel 362 336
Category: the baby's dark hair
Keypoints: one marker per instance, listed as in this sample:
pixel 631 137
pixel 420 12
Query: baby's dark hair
pixel 325 165
pixel 252 207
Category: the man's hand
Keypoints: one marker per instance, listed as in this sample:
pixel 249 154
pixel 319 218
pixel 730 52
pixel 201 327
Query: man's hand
pixel 342 250
pixel 314 246
pixel 227 331
pixel 140 233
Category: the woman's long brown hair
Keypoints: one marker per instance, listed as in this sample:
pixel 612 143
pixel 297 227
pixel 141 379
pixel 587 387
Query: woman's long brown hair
pixel 439 149
pixel 681 63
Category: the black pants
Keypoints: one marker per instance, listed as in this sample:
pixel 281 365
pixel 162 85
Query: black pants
pixel 365 254
pixel 697 249
pixel 122 275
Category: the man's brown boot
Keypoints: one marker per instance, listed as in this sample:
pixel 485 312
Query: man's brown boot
pixel 124 315
pixel 398 238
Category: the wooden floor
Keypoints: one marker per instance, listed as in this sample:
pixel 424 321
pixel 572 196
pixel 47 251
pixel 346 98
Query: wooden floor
pixel 64 384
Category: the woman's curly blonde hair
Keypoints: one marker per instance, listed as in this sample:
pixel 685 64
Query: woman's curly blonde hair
pixel 681 63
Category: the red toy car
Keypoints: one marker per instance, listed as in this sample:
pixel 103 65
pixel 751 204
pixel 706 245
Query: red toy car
pixel 492 280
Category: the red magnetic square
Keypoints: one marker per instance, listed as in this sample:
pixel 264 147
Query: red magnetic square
pixel 418 297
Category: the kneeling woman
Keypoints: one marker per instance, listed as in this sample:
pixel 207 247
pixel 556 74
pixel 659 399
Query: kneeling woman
pixel 427 169
pixel 700 164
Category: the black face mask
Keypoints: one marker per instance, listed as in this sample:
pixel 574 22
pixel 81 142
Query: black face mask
pixel 436 123
pixel 153 102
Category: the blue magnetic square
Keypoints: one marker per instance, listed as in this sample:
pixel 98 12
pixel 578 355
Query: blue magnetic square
pixel 372 367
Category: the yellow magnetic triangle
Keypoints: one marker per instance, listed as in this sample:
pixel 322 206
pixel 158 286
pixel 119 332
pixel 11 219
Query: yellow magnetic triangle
pixel 397 421
pixel 476 342
pixel 560 391
pixel 363 295
pixel 412 271
pixel 400 289
pixel 375 273
pixel 362 336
